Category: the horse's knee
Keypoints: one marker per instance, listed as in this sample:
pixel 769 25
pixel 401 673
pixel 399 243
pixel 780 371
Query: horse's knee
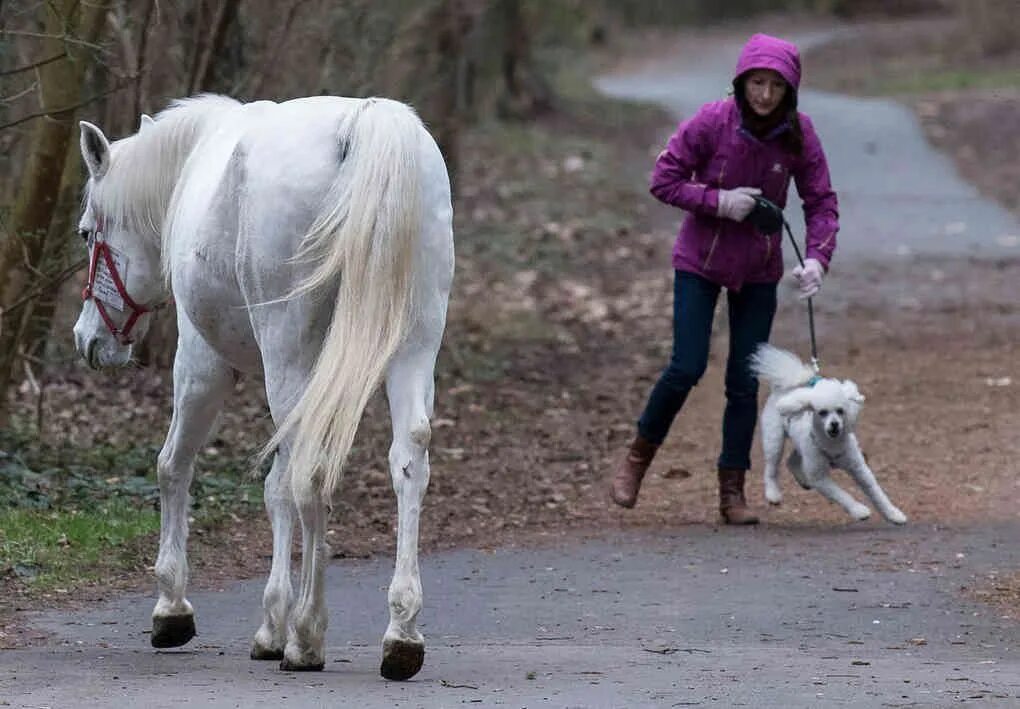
pixel 171 471
pixel 421 432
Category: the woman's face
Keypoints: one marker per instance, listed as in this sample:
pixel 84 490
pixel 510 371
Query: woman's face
pixel 764 90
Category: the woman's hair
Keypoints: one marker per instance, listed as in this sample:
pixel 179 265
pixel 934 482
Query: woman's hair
pixel 792 139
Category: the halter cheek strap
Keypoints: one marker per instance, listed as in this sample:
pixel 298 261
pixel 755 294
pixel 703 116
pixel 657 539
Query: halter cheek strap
pixel 101 250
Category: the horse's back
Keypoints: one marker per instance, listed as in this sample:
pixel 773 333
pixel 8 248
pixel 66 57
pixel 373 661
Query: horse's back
pixel 261 182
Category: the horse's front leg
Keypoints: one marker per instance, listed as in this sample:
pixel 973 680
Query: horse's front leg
pixel 278 595
pixel 201 381
pixel 410 390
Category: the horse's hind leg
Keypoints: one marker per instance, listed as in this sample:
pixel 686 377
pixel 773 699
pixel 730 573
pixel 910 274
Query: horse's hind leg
pixel 278 595
pixel 410 389
pixel 286 372
pixel 201 381
pixel 306 627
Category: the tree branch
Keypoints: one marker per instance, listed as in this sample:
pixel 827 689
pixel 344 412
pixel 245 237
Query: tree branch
pixel 60 37
pixel 33 65
pixel 73 107
pixel 24 92
pixel 54 280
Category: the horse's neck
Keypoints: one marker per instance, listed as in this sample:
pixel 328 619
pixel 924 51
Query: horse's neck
pixel 154 161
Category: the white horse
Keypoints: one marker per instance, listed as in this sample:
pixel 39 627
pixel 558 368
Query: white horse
pixel 310 241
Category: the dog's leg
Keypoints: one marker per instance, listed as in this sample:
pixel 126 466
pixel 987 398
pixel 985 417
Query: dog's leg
pixel 773 438
pixel 796 467
pixel 858 468
pixel 828 487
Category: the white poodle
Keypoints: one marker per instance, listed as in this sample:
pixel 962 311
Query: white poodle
pixel 819 417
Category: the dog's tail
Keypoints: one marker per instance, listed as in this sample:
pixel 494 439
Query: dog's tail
pixel 782 369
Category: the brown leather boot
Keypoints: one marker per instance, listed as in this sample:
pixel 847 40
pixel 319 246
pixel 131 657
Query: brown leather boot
pixel 732 505
pixel 627 479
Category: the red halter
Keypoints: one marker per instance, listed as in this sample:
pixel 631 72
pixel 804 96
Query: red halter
pixel 101 250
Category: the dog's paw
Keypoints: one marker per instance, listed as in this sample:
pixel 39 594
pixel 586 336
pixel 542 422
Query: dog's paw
pixel 860 513
pixel 773 495
pixel 895 516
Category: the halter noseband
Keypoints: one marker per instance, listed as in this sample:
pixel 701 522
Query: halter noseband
pixel 100 249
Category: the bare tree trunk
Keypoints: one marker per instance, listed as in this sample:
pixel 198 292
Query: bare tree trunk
pixel 526 93
pixel 452 25
pixel 271 53
pixel 22 248
pixel 140 98
pixel 58 254
pixel 202 74
pixel 992 25
pixel 425 67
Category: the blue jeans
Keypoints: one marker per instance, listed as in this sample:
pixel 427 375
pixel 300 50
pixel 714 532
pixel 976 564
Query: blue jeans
pixel 750 312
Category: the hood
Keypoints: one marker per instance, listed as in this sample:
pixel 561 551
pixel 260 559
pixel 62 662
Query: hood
pixel 763 51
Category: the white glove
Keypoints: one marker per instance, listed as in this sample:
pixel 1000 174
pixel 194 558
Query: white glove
pixel 809 277
pixel 737 203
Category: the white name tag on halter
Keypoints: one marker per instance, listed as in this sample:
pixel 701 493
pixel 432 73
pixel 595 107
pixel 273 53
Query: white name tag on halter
pixel 104 288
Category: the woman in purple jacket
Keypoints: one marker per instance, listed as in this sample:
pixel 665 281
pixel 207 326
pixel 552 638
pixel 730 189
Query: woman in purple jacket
pixel 729 151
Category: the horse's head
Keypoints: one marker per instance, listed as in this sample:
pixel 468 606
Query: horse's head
pixel 124 280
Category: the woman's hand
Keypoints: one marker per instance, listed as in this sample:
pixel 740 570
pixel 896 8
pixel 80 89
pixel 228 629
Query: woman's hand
pixel 809 277
pixel 737 203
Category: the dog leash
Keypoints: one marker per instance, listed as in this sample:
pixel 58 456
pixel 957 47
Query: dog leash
pixel 767 217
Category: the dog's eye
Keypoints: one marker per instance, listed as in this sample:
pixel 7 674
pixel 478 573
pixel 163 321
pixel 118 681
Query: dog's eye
pixel 823 412
pixel 839 411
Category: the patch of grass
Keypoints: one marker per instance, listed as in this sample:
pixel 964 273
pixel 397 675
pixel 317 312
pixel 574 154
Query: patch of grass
pixel 49 549
pixel 70 514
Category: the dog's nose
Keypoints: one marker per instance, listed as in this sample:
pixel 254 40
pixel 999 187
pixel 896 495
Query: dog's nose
pixel 833 430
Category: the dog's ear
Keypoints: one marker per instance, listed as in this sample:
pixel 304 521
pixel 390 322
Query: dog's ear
pixel 851 392
pixel 794 402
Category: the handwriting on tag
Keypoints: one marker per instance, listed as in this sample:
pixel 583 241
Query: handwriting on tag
pixel 104 288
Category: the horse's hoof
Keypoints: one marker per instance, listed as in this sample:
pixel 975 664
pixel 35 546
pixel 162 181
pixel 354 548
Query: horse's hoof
pixel 288 666
pixel 401 659
pixel 258 652
pixel 172 630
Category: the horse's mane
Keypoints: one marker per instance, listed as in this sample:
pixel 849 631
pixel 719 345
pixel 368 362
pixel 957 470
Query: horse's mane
pixel 144 168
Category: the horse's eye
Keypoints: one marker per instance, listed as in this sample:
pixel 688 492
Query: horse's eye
pixel 84 234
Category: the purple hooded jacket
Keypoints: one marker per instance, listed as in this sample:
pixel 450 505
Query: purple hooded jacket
pixel 711 150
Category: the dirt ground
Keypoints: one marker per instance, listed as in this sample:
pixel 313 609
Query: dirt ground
pixel 559 325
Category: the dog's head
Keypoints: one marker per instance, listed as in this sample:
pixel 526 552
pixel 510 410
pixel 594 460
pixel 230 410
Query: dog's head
pixel 834 405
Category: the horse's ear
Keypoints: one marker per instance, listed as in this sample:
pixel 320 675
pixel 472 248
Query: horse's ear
pixel 95 150
pixel 145 122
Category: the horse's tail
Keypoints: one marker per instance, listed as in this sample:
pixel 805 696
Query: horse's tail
pixel 365 238
pixel 782 369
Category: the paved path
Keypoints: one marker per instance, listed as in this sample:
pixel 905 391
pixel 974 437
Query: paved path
pixel 861 615
pixel 864 616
